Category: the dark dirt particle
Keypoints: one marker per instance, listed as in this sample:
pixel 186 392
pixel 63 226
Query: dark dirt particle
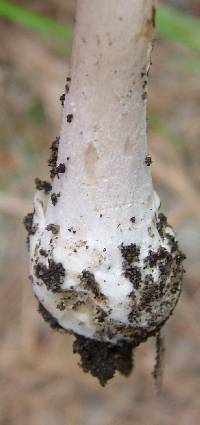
pixel 150 232
pixel 52 276
pixel 68 79
pixel 173 242
pixel 89 282
pixel 130 253
pixel 54 198
pixel 71 230
pixel 148 160
pixel 180 257
pixel 132 219
pixel 144 84
pixel 151 293
pixel 60 169
pixel 161 227
pixel 101 314
pixel 155 258
pixel 53 157
pixel 48 317
pixel 161 224
pixel 54 228
pixel 28 224
pixel 62 99
pixel 103 359
pixel 100 215
pixel 43 185
pixel 43 253
pixel 68 158
pixel 133 274
pixel 144 95
pixel 61 306
pixel 70 117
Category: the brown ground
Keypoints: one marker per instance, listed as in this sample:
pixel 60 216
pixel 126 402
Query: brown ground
pixel 40 382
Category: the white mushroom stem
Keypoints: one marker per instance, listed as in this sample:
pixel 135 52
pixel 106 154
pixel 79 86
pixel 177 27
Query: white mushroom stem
pixel 104 263
pixel 106 139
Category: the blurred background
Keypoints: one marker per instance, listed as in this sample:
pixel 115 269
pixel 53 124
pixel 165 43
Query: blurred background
pixel 40 382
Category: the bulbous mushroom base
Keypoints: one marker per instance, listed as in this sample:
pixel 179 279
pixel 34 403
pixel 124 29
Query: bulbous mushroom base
pixel 110 302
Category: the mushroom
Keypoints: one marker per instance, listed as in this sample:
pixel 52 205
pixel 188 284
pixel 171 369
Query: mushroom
pixel 105 264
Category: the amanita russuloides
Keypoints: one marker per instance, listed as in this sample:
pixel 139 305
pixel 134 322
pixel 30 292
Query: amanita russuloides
pixel 105 264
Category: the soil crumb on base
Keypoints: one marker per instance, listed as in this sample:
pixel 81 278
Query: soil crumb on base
pixel 43 185
pixel 103 359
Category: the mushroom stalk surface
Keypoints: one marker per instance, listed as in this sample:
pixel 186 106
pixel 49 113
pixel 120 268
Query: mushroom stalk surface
pixel 105 264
